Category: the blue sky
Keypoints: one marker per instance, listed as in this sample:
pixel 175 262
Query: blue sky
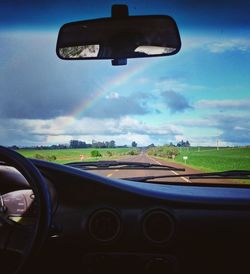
pixel 201 94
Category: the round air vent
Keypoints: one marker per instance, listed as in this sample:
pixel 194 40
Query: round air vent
pixel 158 226
pixel 104 225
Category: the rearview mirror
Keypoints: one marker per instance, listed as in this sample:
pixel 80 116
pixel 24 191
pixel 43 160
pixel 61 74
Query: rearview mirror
pixel 119 38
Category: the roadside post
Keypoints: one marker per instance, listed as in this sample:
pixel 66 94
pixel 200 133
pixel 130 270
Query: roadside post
pixel 185 159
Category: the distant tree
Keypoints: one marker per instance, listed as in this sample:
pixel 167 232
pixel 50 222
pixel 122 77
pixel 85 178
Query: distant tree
pixel 96 144
pixel 187 144
pixel 180 144
pixel 112 144
pixel 101 145
pixel 183 144
pixel 134 144
pixel 151 145
pixel 73 143
pixel 14 147
pixel 60 146
pixel 107 144
pixel 77 144
pixel 82 144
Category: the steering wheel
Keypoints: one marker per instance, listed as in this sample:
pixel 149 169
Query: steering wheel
pixel 23 240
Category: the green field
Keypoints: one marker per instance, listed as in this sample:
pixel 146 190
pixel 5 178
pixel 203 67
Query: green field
pixel 211 159
pixel 204 158
pixel 71 155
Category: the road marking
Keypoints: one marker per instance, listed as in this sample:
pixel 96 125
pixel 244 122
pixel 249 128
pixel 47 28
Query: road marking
pixel 183 178
pixel 110 174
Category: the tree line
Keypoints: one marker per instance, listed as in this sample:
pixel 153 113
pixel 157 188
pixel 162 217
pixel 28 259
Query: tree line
pixel 94 144
pixel 78 144
pixel 97 144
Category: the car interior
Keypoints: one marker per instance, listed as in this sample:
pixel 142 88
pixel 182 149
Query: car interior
pixel 57 218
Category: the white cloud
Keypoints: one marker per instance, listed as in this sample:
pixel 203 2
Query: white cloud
pixel 140 139
pixel 229 45
pixel 224 104
pixel 215 44
pixel 142 80
pixel 198 122
pixel 229 128
pixel 175 85
pixel 63 129
pixel 178 138
pixel 112 95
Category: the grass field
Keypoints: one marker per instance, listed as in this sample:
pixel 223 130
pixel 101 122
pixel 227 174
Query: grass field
pixel 211 159
pixel 204 158
pixel 70 155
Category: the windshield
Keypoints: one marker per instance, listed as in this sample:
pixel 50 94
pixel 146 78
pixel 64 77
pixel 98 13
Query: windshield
pixel 190 110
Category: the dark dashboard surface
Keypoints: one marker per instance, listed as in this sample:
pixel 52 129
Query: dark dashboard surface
pixel 113 226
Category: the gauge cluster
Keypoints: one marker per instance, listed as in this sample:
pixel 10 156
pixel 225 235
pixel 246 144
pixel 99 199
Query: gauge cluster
pixel 20 205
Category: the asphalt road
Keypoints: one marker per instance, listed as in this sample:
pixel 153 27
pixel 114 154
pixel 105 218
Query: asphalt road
pixel 116 173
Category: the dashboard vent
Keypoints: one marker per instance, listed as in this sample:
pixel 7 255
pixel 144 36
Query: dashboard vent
pixel 104 225
pixel 158 226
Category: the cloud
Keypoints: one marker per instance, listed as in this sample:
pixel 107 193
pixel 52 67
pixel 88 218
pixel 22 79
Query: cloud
pixel 175 101
pixel 130 124
pixel 235 128
pixel 201 122
pixel 62 129
pixel 236 136
pixel 230 129
pixel 215 44
pixel 142 80
pixel 229 45
pixel 112 95
pixel 107 126
pixel 224 104
pixel 117 106
pixel 35 84
pixel 16 132
pixel 176 85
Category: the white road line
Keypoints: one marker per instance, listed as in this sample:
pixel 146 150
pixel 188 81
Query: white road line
pixel 183 178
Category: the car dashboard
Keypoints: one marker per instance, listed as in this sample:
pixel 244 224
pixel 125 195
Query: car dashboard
pixel 103 225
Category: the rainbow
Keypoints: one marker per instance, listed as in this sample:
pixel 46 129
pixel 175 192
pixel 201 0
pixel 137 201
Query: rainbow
pixel 107 86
